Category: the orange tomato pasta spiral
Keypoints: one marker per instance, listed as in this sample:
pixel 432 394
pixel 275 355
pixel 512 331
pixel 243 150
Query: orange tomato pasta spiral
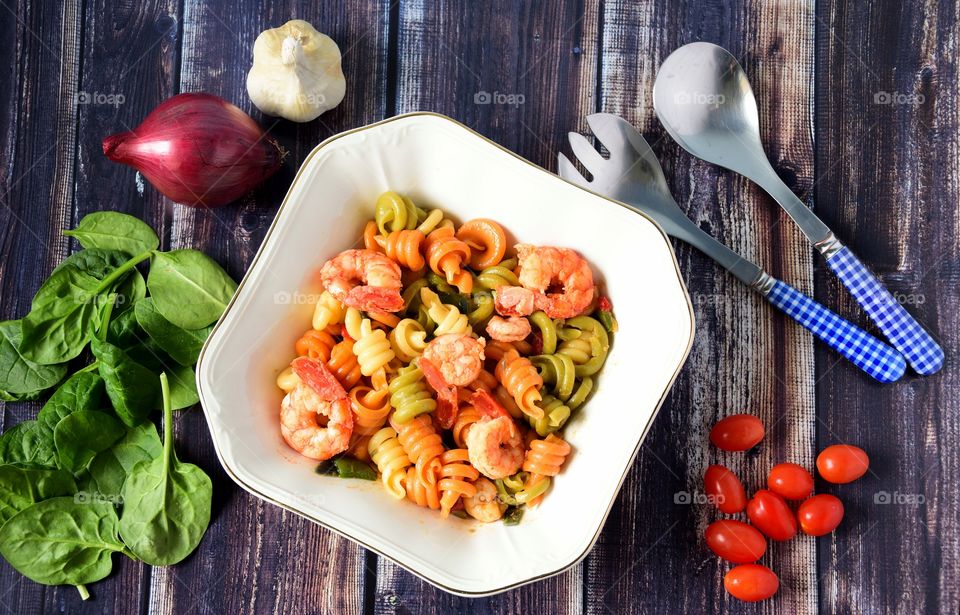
pixel 518 376
pixel 370 235
pixel 448 256
pixel 423 492
pixel 544 459
pixel 370 409
pixel 344 365
pixel 487 241
pixel 495 349
pixel 420 441
pixel 466 417
pixel 315 344
pixel 484 381
pixel 456 478
pixel 386 451
pixel 386 319
pixel 404 247
pixel 506 400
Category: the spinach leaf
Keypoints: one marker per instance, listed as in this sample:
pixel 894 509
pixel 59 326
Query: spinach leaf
pixel 81 392
pixel 80 436
pixel 123 330
pixel 22 487
pixel 115 231
pixel 98 263
pixel 8 396
pixel 131 387
pixel 60 541
pixel 109 468
pixel 63 317
pixel 166 503
pixel 183 345
pixel 183 387
pixel 28 444
pixel 20 376
pixel 65 311
pixel 129 292
pixel 189 288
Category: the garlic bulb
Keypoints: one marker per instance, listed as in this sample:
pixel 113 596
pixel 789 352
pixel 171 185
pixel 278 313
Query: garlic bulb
pixel 296 72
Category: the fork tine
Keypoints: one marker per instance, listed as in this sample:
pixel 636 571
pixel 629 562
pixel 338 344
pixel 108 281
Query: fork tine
pixel 567 171
pixel 606 127
pixel 585 153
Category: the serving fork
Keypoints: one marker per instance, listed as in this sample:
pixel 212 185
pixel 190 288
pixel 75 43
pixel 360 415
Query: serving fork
pixel 632 175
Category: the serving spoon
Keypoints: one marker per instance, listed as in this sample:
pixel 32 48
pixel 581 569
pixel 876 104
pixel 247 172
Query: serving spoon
pixel 632 175
pixel 705 102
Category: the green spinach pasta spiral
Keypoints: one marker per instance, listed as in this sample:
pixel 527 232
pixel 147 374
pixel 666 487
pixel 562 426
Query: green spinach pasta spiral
pixel 499 275
pixel 394 213
pixel 586 342
pixel 409 394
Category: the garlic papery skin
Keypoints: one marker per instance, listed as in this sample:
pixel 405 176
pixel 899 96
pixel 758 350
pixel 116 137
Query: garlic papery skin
pixel 296 72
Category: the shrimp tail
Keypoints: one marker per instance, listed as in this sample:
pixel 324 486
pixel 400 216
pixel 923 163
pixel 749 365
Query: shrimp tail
pixel 318 377
pixel 487 405
pixel 374 298
pixel 447 406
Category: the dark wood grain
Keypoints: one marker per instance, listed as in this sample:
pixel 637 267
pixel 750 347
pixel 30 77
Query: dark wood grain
pixel 859 113
pixel 36 196
pixel 746 357
pixel 888 181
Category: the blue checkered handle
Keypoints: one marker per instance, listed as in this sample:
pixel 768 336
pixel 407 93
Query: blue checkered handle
pixel 924 355
pixel 859 347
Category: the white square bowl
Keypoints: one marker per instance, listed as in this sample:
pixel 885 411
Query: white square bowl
pixel 441 163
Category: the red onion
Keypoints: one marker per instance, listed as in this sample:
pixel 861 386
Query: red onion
pixel 199 150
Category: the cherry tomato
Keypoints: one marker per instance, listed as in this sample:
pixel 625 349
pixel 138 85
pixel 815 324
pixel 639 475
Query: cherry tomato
pixel 771 515
pixel 735 541
pixel 751 582
pixel 842 463
pixel 820 514
pixel 737 432
pixel 790 480
pixel 725 489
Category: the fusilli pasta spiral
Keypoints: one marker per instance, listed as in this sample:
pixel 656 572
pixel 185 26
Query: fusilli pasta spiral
pixel 520 378
pixel 392 462
pixel 409 395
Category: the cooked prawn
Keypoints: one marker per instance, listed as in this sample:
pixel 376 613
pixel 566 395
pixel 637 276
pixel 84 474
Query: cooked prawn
pixel 510 329
pixel 514 301
pixel 380 277
pixel 541 270
pixel 447 400
pixel 458 356
pixel 495 447
pixel 485 505
pixel 319 394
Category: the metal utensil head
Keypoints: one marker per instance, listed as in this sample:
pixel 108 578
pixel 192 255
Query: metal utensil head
pixel 631 174
pixel 705 102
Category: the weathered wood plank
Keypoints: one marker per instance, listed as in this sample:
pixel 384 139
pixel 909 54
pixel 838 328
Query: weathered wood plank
pixel 257 557
pixel 746 356
pixel 36 195
pixel 888 183
pixel 523 74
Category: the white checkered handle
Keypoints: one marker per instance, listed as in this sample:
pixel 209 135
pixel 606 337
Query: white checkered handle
pixel 924 355
pixel 859 347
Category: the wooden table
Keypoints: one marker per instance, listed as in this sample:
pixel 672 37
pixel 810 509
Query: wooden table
pixel 859 109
